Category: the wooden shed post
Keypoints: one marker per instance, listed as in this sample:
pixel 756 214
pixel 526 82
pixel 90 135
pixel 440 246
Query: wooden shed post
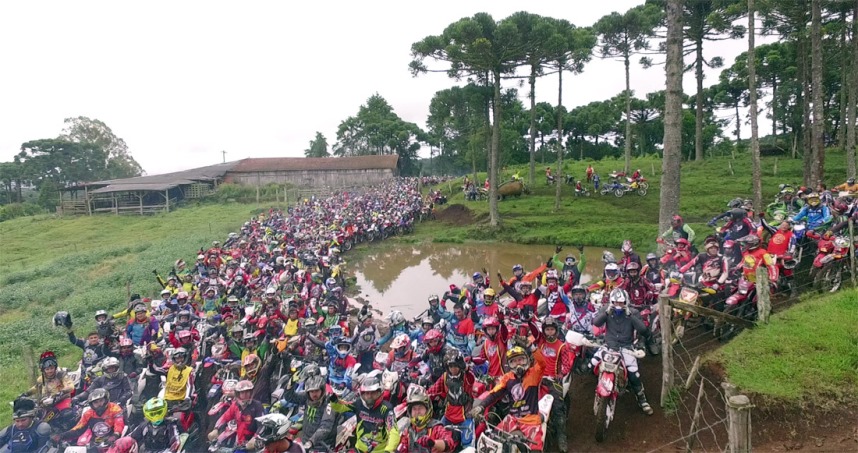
pixel 140 196
pixel 167 197
pixel 86 197
pixel 664 312
pixel 115 204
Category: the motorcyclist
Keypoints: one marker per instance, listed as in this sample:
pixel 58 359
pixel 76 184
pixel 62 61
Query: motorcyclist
pixel 494 346
pixel 455 388
pixel 680 256
pixel 486 306
pixel 251 345
pixel 376 430
pixel 100 409
pixel 629 255
pixel 738 226
pixel 129 363
pixel 621 322
pixel 754 256
pixel 581 316
pixel 319 432
pixel 158 432
pixel 558 364
pixel 141 328
pixel 679 229
pixel 113 380
pixel 52 383
pixel 436 349
pixel 398 325
pixel 105 326
pixel 93 350
pixel 26 434
pixel 179 384
pixel 461 330
pixel 244 410
pixel 653 272
pixel 522 383
pixel 364 345
pixel 424 434
pixel 787 202
pixel 251 365
pixel 573 267
pixel 817 215
pixel 274 432
pixel 613 279
pixel 401 354
pixel 849 186
pixel 526 299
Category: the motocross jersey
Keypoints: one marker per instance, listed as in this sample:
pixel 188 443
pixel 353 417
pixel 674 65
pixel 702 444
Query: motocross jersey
pixel 461 335
pixel 524 391
pixel 558 304
pixel 112 416
pixel 177 383
pixel 581 319
pixel 435 430
pixel 458 394
pixel 816 216
pixel 61 383
pixel 558 357
pixel 156 438
pixel 753 259
pixel 641 292
pixel 376 430
pixel 494 351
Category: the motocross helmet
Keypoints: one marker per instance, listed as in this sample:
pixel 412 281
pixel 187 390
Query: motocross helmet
pixel 314 384
pixel 418 397
pixel 185 337
pixel 24 408
pixel 633 270
pixel 676 221
pixel 98 400
pixel 400 345
pixel 396 318
pixel 850 181
pixel 110 365
pixel 155 410
pixel 251 365
pixel 813 199
pixel 183 314
pixel 334 332
pixel 478 278
pixel 518 360
pixel 608 257
pixel 651 257
pixel 682 244
pixel 750 242
pixel 180 356
pixel 492 322
pixel 550 322
pixel 273 427
pixel 571 260
pixel 249 340
pixel 612 271
pixel 454 359
pixel 433 299
pixel 619 299
pixel 627 244
pixel 370 391
pixel 489 296
pixel 63 318
pixel 99 314
pixel 244 392
pixel 434 341
pixel 427 323
pixel 47 359
pixel 518 270
pixel 343 346
pixel 579 296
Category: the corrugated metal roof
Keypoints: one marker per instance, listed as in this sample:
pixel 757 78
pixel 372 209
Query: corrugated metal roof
pixel 263 164
pixel 151 187
pixel 209 173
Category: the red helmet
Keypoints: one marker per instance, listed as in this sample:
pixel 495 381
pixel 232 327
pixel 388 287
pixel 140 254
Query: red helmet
pixel 682 243
pixel 432 336
pixel 676 220
pixel 491 321
pixel 184 336
pixel 125 342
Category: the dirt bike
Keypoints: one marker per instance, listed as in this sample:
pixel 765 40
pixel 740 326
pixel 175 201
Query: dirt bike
pixel 96 439
pixel 614 187
pixel 742 303
pixel 831 264
pixel 613 378
pixel 495 440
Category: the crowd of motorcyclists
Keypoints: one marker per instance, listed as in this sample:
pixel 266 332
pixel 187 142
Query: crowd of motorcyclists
pixel 254 345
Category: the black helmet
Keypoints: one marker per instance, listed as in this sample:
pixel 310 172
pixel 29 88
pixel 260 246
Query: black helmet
pixel 24 408
pixel 63 319
pixel 850 181
pixel 455 359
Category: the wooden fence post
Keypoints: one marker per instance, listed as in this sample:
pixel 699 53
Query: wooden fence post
pixel 764 301
pixel 689 444
pixel 664 311
pixel 775 170
pixel 739 423
pixel 852 249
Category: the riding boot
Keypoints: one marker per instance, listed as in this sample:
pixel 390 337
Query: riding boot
pixel 557 421
pixel 638 390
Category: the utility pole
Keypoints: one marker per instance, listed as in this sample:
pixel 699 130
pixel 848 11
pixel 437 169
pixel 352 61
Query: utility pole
pixel 224 156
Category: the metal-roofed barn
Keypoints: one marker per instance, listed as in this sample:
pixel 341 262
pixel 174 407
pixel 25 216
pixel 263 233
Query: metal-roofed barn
pixel 159 193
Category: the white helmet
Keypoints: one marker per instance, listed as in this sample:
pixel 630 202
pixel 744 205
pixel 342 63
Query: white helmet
pixel 619 296
pixel 400 341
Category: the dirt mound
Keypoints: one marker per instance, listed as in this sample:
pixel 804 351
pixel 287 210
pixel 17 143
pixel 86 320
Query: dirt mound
pixel 456 214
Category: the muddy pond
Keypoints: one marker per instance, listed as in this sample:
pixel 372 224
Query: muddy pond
pixel 402 276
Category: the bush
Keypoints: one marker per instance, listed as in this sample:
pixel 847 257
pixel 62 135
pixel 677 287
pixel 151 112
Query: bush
pixel 238 192
pixel 14 210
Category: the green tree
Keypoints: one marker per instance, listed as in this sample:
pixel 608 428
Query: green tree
pixel 477 46
pixel 61 162
pixel 10 174
pixel 378 130
pixel 318 147
pixel 119 163
pixel 621 36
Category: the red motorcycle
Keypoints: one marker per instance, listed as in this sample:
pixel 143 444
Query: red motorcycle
pixel 742 303
pixel 830 264
pixel 613 378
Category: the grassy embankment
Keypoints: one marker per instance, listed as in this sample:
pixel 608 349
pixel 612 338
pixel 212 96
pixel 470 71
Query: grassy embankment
pixel 807 354
pixel 81 265
pixel 606 220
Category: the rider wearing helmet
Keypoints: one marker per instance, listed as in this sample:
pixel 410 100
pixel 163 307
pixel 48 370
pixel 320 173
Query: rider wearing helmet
pixel 436 349
pixel 398 325
pixel 456 387
pixel 629 255
pixel 320 421
pixel 581 316
pixel 129 363
pixel 93 350
pixel 612 279
pixel 817 214
pixel 525 296
pixel 243 410
pixel 679 229
pixel 113 380
pixel 573 267
pixel 493 349
pixel 557 303
pixel 712 259
pixel 754 256
pixel 640 290
pixel 160 432
pixel 100 409
pixel 274 431
pixel 52 382
pixel 522 383
pixel 461 330
pixel 27 434
pixel 519 276
pixel 559 359
pixel 621 323
pixel 179 384
pixel 849 186
pixel 400 354
pixel 653 272
pixel 376 420
pixel 424 434
pixel 486 305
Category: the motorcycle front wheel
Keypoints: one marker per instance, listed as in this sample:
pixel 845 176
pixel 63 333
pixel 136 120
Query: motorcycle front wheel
pixel 602 421
pixel 832 277
pixel 619 193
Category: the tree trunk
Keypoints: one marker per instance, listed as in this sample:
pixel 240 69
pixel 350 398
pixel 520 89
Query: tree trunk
pixel 672 161
pixel 844 83
pixel 807 154
pixel 559 181
pixel 628 144
pixel 775 110
pixel 532 175
pixel 698 108
pixel 738 124
pixel 752 87
pixel 851 149
pixel 817 170
pixel 494 214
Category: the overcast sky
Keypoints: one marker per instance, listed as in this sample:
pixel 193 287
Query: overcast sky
pixel 181 81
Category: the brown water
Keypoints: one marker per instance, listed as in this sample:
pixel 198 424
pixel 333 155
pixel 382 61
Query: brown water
pixel 402 276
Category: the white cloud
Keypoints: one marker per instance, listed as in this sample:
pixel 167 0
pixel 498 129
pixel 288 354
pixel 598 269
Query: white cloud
pixel 181 81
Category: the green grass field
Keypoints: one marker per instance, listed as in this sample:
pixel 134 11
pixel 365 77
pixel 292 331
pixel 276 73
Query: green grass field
pixel 807 354
pixel 84 264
